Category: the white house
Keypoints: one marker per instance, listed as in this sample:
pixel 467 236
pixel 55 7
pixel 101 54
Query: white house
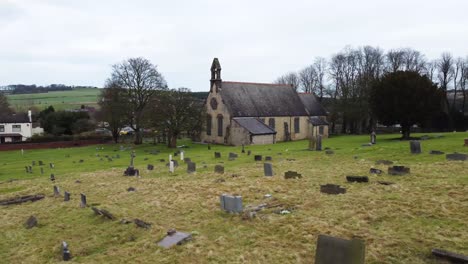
pixel 15 128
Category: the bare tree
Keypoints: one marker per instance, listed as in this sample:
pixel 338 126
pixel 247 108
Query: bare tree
pixel 431 70
pixel 290 78
pixel 142 80
pixel 445 69
pixel 413 60
pixel 308 79
pixel 320 66
pixel 395 59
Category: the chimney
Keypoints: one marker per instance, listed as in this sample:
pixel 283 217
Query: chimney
pixel 30 116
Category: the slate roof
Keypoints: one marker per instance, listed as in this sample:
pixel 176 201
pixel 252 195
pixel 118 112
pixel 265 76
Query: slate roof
pixel 317 121
pixel 18 118
pixel 254 126
pixel 312 105
pixel 261 99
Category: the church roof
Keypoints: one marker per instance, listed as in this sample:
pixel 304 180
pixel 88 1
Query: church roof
pixel 312 105
pixel 317 121
pixel 261 99
pixel 254 126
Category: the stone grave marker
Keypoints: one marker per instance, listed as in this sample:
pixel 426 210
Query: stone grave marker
pixel 398 170
pixel 267 169
pixel 231 203
pixel 217 155
pixel 292 175
pixel 51 165
pixel 456 156
pixel 384 162
pixel 466 142
pixel 334 250
pixel 450 256
pixel 176 154
pixel 191 167
pixel 182 155
pixel 219 169
pixel 66 255
pixel 332 189
pixel 83 200
pixel 329 152
pixel 141 223
pixel 373 138
pixel 312 142
pixel 131 189
pixel 258 157
pixel 209 147
pixel 268 158
pixel 150 167
pixel 56 191
pixel 436 152
pixel 41 163
pixel 31 222
pixel 27 169
pixel 318 144
pixel 66 196
pixel 173 238
pixel 357 178
pixel 103 212
pixel 232 155
pixel 375 171
pixel 171 166
pixel 249 152
pixel 415 147
pixel 52 177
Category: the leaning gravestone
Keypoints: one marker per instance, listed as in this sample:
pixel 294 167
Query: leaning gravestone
pixel 373 138
pixel 174 238
pixel 457 156
pixel 415 147
pixel 332 189
pixel 357 178
pixel 292 175
pixel 52 177
pixel 334 250
pixel 258 157
pixel 231 203
pixel 398 170
pixel 56 191
pixel 191 167
pixel 66 255
pixel 66 196
pixel 51 165
pixel 83 200
pixel 318 144
pixel 150 167
pixel 217 155
pixel 219 169
pixel 31 222
pixel 450 256
pixel 268 169
pixel 141 223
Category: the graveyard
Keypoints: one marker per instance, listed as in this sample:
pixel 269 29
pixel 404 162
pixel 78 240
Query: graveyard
pixel 400 204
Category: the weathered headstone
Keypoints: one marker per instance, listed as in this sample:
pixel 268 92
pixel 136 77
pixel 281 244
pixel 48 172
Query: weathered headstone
pixel 415 147
pixel 232 155
pixel 249 152
pixel 217 155
pixel 318 144
pixel 292 175
pixel 373 138
pixel 219 169
pixel 83 200
pixel 456 156
pixel 66 196
pixel 243 149
pixel 375 171
pixel 231 203
pixel 385 182
pixel 174 238
pixel 268 169
pixel 171 166
pixel 357 178
pixel 150 167
pixel 27 169
pixel 52 177
pixel 436 152
pixel 398 170
pixel 258 157
pixel 66 255
pixel 56 191
pixel 41 163
pixel 141 223
pixel 191 167
pixel 332 189
pixel 51 165
pixel 31 222
pixel 182 155
pixel 333 250
pixel 103 212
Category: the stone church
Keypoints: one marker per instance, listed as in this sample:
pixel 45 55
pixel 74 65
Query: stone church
pixel 259 113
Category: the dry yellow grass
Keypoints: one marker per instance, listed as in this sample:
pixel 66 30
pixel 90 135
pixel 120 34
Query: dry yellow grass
pixel 400 223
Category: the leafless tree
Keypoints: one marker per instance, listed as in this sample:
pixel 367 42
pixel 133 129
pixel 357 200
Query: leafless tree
pixel 395 60
pixel 307 79
pixel 320 66
pixel 142 81
pixel 290 78
pixel 413 60
pixel 431 70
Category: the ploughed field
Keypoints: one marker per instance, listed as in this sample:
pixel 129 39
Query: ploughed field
pixel 399 223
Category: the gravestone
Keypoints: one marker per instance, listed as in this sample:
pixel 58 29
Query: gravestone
pixel 436 152
pixel 332 189
pixel 456 156
pixel 312 142
pixel 329 152
pixel 268 158
pixel 209 147
pixel 191 167
pixel 41 163
pixel 398 170
pixel 268 169
pixel 83 200
pixel 258 157
pixel 415 147
pixel 318 144
pixel 31 222
pixel 373 138
pixel 384 162
pixel 66 255
pixel 141 223
pixel 131 189
pixel 103 212
pixel 357 178
pixel 375 171
pixel 466 142
pixel 217 155
pixel 150 167
pixel 66 196
pixel 243 149
pixel 292 175
pixel 232 155
pixel 174 237
pixel 171 166
pixel 231 203
pixel 56 191
pixel 51 165
pixel 334 250
pixel 27 169
pixel 219 169
pixel 249 152
pixel 182 155
pixel 30 169
pixel 52 177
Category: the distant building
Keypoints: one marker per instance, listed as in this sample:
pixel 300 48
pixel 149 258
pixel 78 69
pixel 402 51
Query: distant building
pixel 259 113
pixel 15 128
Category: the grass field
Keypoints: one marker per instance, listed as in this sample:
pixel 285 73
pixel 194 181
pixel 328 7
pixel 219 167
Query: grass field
pixel 399 223
pixel 59 100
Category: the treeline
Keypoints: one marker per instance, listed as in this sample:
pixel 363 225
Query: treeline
pixel 343 82
pixel 27 89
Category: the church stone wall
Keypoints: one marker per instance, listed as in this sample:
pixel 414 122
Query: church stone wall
pixel 214 113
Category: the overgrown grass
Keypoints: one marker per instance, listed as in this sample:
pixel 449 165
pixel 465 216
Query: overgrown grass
pixel 400 223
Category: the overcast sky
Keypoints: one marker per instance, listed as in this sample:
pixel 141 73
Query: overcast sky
pixel 75 42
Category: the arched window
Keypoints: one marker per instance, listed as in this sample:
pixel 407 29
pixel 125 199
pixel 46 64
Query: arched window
pixel 271 123
pixel 220 125
pixel 208 125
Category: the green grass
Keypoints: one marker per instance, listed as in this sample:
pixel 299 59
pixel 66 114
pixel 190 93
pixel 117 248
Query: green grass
pixel 400 223
pixel 60 100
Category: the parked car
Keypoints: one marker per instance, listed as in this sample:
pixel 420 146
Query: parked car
pixel 127 131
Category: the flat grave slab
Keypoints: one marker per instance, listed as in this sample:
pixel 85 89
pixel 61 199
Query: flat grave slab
pixel 332 189
pixel 173 238
pixel 334 250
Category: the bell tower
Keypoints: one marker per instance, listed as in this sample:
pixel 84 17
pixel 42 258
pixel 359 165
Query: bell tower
pixel 215 75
